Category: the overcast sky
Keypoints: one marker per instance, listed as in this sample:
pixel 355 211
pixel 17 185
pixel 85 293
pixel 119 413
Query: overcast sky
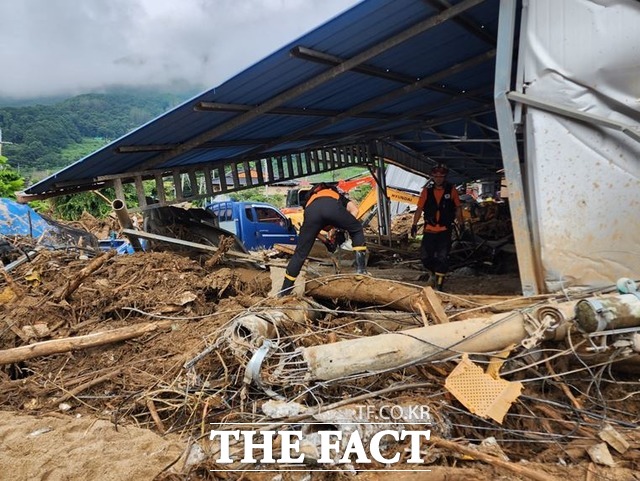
pixel 54 47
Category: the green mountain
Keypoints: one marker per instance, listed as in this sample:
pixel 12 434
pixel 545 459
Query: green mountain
pixel 25 102
pixel 42 138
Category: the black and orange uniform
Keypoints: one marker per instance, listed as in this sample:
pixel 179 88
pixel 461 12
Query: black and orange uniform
pixel 439 206
pixel 326 206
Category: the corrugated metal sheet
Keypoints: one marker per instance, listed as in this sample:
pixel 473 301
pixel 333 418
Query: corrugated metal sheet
pixel 372 101
pixel 584 178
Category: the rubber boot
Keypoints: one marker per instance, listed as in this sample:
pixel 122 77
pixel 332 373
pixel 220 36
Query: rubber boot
pixel 439 281
pixel 287 286
pixel 361 262
pixel 429 278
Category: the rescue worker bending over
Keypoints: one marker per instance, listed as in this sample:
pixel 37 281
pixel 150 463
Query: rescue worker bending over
pixel 326 206
pixel 440 204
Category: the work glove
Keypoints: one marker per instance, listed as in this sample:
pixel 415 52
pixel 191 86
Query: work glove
pixel 414 230
pixel 332 241
pixel 330 245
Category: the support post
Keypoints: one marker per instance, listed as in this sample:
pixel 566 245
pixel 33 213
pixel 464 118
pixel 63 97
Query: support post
pixel 509 148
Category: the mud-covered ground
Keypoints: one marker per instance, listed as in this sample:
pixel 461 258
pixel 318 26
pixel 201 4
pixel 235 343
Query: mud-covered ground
pixel 129 409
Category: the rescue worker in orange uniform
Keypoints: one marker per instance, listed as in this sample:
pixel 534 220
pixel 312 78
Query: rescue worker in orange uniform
pixel 440 204
pixel 326 206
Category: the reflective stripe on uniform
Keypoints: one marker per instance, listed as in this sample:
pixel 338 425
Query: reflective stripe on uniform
pixel 323 193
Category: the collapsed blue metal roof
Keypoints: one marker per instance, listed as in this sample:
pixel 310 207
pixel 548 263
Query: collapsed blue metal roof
pixel 22 220
pixel 409 80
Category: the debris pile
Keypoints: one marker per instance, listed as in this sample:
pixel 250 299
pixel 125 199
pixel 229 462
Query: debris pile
pixel 173 344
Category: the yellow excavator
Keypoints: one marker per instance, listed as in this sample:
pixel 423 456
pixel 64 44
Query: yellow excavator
pixel 397 195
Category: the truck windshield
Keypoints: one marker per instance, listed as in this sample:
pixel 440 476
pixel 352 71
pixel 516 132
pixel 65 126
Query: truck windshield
pixel 266 214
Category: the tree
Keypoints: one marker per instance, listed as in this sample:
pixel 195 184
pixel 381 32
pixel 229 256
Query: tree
pixel 10 180
pixel 71 207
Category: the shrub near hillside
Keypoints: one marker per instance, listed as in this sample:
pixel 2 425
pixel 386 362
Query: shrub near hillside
pixel 10 179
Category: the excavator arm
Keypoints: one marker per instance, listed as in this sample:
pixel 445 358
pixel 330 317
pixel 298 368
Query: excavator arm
pixel 393 194
pixel 350 184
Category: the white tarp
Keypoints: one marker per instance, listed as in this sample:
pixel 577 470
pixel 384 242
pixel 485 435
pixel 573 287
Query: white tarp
pixel 400 178
pixel 583 180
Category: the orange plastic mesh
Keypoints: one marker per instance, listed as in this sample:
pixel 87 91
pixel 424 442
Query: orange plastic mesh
pixel 479 392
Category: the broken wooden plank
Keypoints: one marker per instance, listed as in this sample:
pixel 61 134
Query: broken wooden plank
pixel 434 305
pixel 422 308
pixel 614 439
pixel 600 454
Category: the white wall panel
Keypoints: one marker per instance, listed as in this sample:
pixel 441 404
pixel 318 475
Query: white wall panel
pixel 583 180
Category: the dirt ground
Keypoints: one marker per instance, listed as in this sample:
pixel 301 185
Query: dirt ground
pixel 62 447
pixel 128 409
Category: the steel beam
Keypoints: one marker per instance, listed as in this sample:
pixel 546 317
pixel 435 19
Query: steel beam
pixel 529 278
pixel 371 103
pixel 565 111
pixel 327 59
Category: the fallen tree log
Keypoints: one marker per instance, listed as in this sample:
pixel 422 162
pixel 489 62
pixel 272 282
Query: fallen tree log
pixel 406 297
pixel 366 290
pixel 57 346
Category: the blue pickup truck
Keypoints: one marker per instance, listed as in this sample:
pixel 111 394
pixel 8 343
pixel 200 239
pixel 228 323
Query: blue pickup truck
pixel 258 225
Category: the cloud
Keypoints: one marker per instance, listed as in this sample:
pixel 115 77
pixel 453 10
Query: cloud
pixel 56 47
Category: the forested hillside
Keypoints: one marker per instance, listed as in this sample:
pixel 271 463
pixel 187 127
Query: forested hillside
pixel 45 138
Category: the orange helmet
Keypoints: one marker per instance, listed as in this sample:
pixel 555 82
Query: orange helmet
pixel 440 169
